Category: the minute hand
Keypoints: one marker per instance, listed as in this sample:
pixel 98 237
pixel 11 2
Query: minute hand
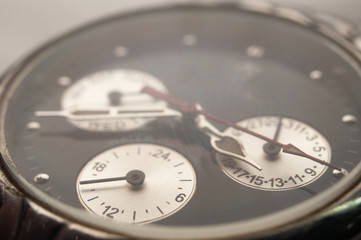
pixel 192 107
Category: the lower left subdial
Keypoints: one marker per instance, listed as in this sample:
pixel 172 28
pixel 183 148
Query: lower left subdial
pixel 136 183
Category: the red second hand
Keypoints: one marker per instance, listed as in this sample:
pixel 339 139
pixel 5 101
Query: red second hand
pixel 192 107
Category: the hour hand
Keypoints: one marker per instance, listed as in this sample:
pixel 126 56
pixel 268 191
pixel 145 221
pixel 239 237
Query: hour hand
pixel 224 143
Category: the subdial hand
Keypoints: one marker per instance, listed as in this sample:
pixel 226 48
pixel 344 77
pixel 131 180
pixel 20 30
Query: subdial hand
pixel 224 143
pixel 271 149
pixel 192 107
pixel 134 177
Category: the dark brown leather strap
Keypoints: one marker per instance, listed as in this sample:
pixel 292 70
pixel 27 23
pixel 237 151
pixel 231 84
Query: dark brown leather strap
pixel 18 220
pixel 10 212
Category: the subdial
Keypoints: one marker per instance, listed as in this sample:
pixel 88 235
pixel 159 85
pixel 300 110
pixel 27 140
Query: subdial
pixel 136 183
pixel 280 171
pixel 111 92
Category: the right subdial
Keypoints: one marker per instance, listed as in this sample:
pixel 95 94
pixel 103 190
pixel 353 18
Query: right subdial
pixel 280 171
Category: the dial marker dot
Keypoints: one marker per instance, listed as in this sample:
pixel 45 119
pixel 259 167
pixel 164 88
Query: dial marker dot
pixel 255 51
pixel 121 51
pixel 64 81
pixel 189 40
pixel 41 178
pixel 33 126
pixel 316 74
pixel 349 119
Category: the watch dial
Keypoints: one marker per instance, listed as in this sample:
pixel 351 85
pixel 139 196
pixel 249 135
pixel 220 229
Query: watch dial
pixel 97 121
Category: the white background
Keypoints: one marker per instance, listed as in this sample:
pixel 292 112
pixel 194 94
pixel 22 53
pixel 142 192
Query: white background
pixel 26 24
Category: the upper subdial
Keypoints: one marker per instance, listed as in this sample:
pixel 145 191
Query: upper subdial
pixel 111 101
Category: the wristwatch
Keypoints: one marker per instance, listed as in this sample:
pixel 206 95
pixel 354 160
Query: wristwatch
pixel 186 120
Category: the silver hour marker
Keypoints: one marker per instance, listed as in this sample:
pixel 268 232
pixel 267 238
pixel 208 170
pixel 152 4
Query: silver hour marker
pixel 349 119
pixel 189 40
pixel 316 74
pixel 121 51
pixel 338 173
pixel 255 51
pixel 33 126
pixel 357 42
pixel 41 178
pixel 64 81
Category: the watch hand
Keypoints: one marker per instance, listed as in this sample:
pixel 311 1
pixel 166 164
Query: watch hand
pixel 134 177
pixel 192 107
pixel 112 113
pixel 102 180
pixel 270 148
pixel 117 98
pixel 224 143
pixel 279 125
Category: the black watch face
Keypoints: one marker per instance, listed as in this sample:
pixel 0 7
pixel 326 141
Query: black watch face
pixel 184 117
